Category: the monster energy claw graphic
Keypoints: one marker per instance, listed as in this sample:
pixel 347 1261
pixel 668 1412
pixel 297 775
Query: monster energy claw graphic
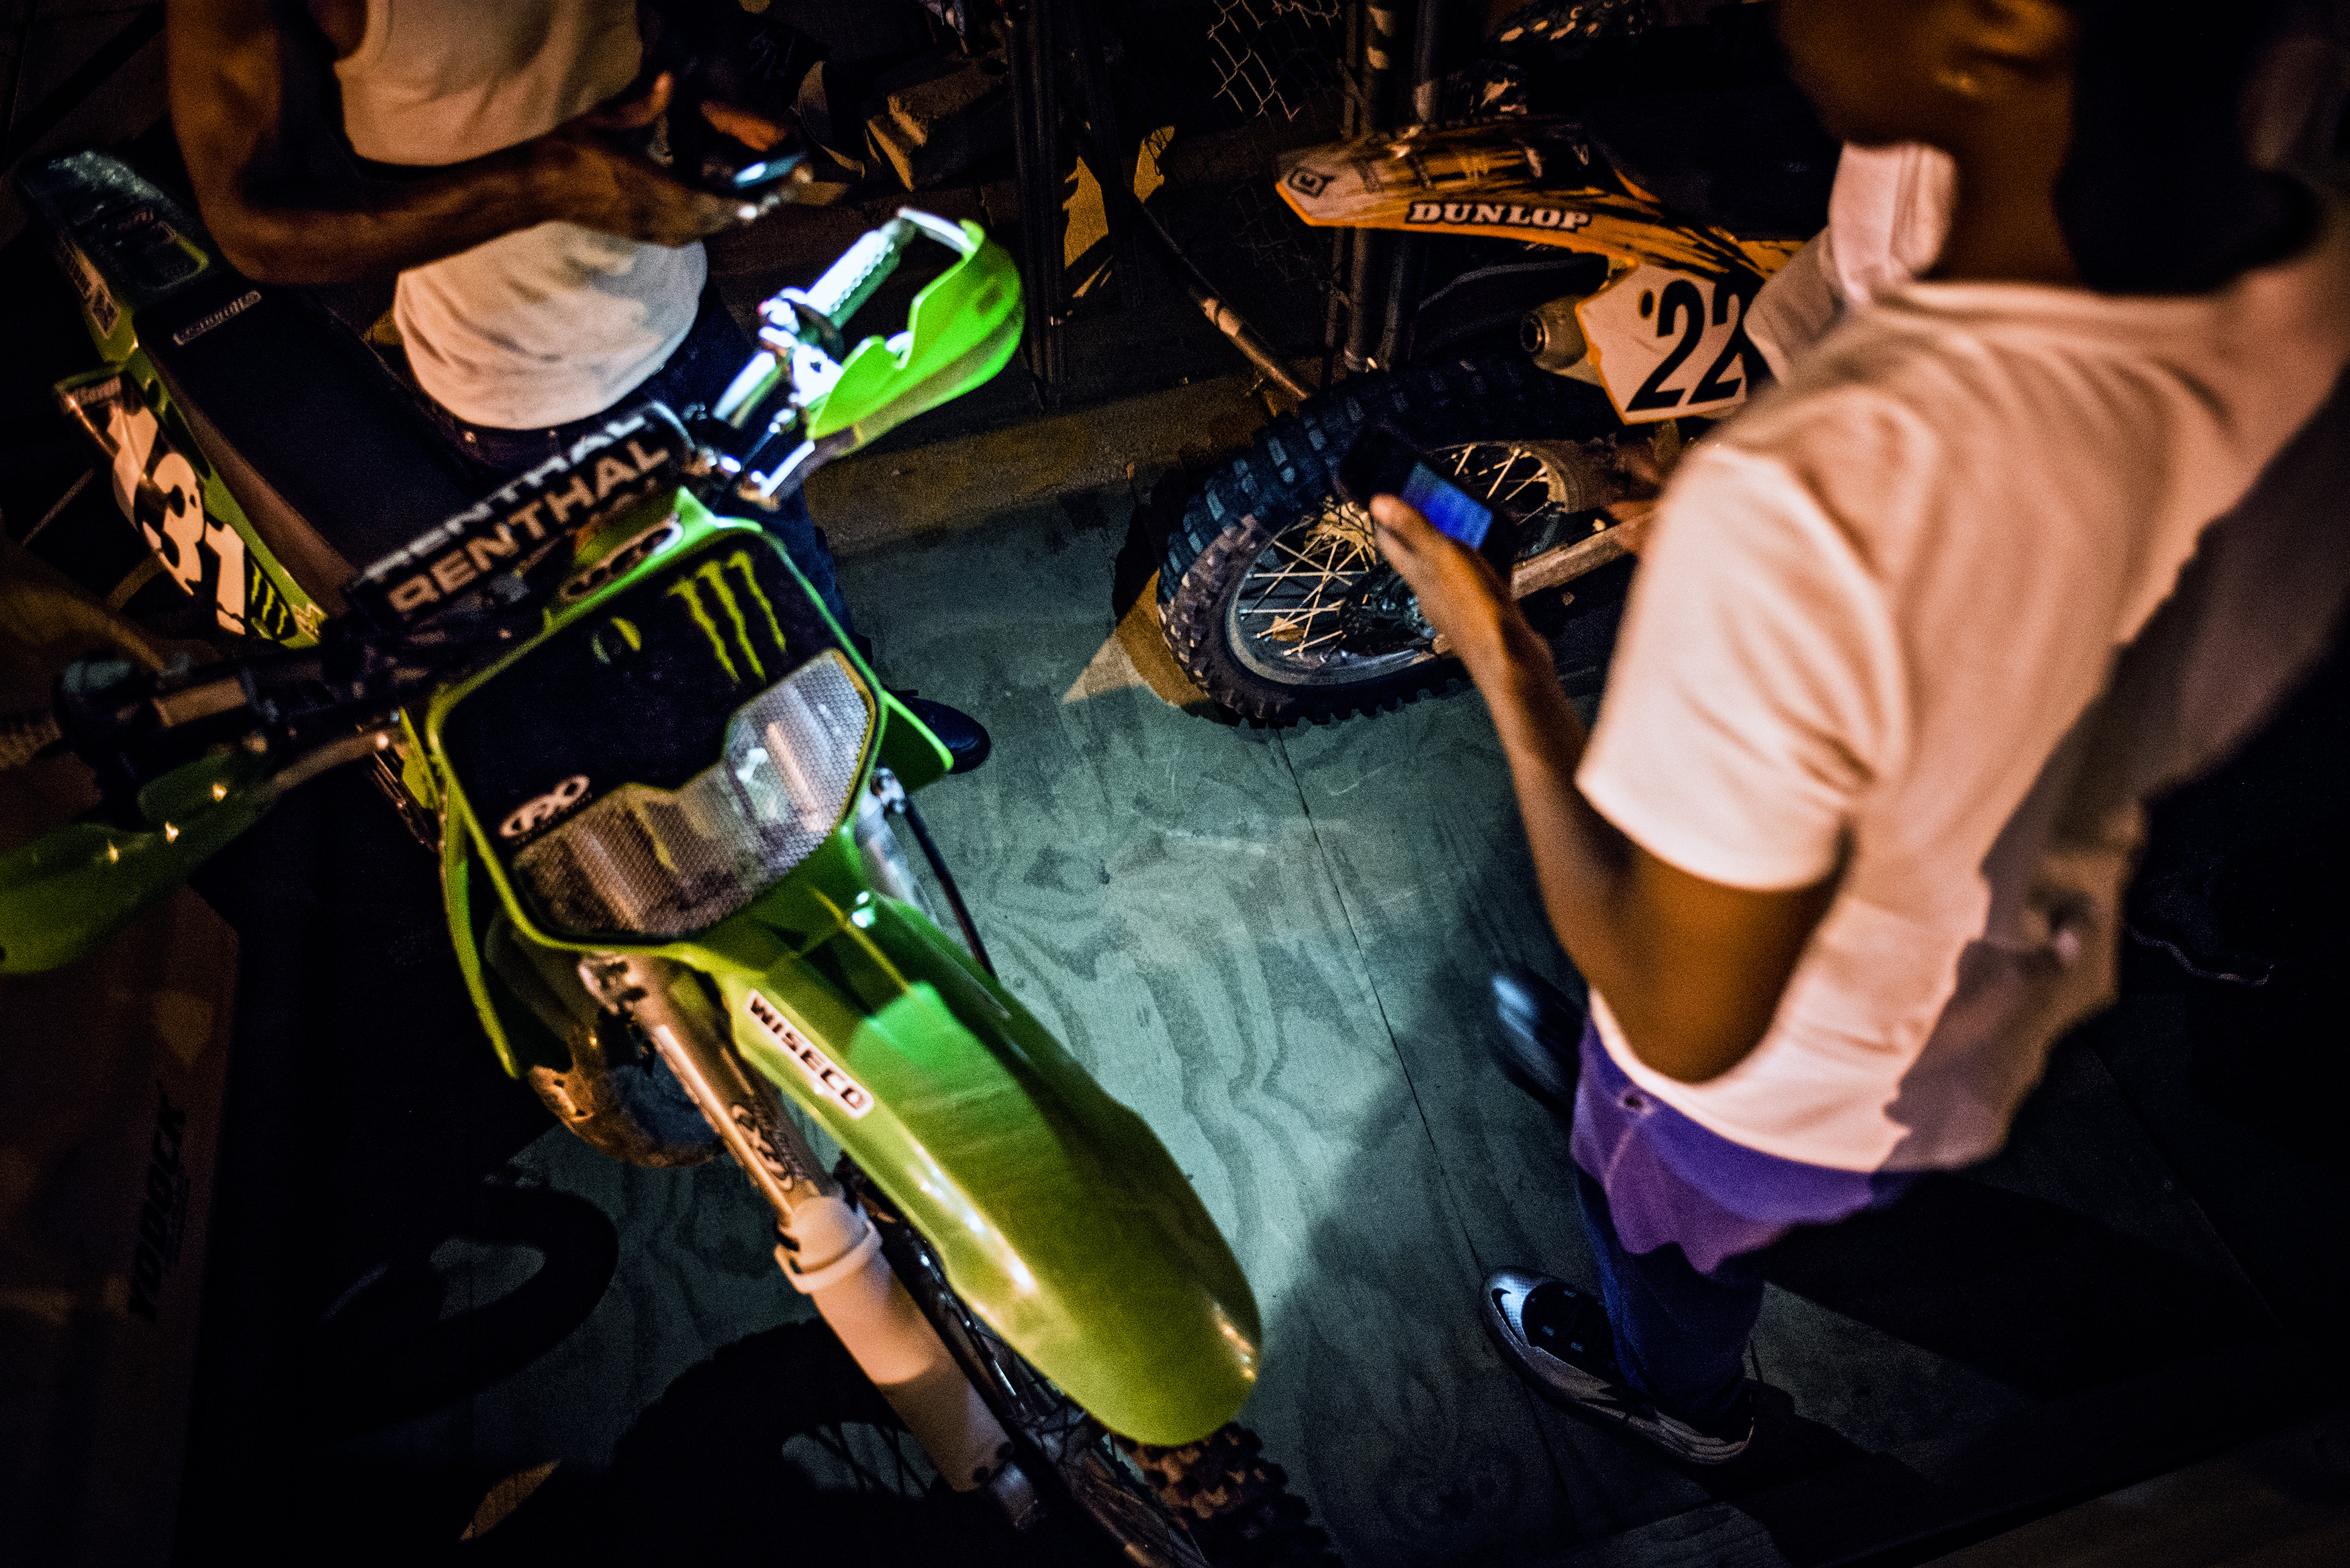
pixel 734 636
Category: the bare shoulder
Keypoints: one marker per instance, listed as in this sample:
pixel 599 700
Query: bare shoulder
pixel 221 56
pixel 246 76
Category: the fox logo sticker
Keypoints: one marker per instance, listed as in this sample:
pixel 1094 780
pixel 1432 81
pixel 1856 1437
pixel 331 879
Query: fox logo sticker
pixel 536 813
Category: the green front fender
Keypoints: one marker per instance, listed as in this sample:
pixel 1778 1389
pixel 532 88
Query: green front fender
pixel 1057 1214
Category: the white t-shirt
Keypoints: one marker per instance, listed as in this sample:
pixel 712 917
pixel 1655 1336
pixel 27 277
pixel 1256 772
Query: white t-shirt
pixel 1872 607
pixel 551 323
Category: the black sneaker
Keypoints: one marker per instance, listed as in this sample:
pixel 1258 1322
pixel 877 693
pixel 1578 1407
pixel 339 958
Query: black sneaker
pixel 964 737
pixel 1539 1042
pixel 1557 1337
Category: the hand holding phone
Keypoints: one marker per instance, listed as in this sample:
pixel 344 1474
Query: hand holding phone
pixel 1382 463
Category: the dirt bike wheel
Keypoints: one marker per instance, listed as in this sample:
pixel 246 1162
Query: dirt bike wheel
pixel 1215 1504
pixel 776 1436
pixel 1272 593
pixel 1236 1502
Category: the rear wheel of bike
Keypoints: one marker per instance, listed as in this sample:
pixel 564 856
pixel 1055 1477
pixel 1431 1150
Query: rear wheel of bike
pixel 1215 1504
pixel 1272 592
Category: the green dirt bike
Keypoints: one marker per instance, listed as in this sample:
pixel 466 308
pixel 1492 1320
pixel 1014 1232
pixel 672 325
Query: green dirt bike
pixel 663 786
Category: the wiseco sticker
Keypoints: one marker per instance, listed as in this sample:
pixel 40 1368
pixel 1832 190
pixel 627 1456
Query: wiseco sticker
pixel 830 1079
pixel 1670 343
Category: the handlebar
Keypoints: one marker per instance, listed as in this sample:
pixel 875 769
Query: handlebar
pixel 849 284
pixel 802 320
pixel 133 725
pixel 481 577
pixel 186 759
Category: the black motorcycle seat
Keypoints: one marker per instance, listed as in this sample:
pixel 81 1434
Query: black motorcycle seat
pixel 1752 158
pixel 331 457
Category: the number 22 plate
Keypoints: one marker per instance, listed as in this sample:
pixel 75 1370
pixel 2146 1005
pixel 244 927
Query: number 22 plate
pixel 1669 343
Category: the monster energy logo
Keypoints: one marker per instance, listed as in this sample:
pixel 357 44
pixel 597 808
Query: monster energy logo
pixel 729 627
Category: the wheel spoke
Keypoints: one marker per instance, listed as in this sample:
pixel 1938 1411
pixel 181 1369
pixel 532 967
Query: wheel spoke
pixel 1294 607
pixel 1526 467
pixel 1317 574
pixel 1537 476
pixel 1329 560
pixel 1300 556
pixel 1273 584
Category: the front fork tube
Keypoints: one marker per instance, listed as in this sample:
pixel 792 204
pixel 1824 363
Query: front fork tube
pixel 829 1250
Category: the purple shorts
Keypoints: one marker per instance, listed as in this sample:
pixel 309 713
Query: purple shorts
pixel 1668 1179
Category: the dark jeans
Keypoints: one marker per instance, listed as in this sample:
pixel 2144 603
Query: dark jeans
pixel 1680 1335
pixel 713 351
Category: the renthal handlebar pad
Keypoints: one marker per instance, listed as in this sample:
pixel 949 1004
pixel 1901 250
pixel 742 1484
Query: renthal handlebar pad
pixel 528 523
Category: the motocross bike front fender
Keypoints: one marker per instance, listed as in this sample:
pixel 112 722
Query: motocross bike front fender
pixel 1057 1214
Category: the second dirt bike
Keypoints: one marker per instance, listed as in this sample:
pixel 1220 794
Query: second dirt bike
pixel 1628 311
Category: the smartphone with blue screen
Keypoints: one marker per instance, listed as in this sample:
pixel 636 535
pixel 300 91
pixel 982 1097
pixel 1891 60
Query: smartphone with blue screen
pixel 1382 463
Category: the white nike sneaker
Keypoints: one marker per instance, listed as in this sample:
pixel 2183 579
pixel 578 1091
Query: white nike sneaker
pixel 1556 1337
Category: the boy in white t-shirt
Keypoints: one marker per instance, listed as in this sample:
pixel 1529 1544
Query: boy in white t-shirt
pixel 1804 859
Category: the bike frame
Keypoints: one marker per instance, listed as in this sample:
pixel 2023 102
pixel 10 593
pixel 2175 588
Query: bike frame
pixel 1057 1213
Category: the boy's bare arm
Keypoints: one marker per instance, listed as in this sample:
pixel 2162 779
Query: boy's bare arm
pixel 249 95
pixel 1693 971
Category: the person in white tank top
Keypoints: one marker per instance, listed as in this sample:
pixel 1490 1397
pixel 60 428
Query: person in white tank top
pixel 542 274
pixel 545 275
pixel 544 325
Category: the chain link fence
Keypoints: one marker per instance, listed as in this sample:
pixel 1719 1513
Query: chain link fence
pixel 1255 74
pixel 1278 58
